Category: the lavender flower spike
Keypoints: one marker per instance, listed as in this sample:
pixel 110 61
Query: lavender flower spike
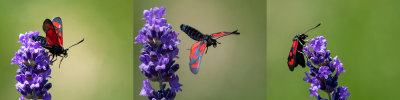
pixel 321 76
pixel 160 48
pixel 34 68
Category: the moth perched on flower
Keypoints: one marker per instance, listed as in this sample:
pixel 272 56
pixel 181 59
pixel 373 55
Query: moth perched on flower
pixel 324 71
pixel 34 68
pixel 160 48
pixel 54 39
pixel 296 56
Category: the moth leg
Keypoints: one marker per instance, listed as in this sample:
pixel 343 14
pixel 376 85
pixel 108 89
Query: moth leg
pixel 206 50
pixel 302 43
pixel 51 58
pixel 54 59
pixel 42 60
pixel 303 54
pixel 62 58
pixel 301 51
pixel 307 41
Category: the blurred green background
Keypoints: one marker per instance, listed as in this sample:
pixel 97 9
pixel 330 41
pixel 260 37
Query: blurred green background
pixel 235 70
pixel 100 68
pixel 362 33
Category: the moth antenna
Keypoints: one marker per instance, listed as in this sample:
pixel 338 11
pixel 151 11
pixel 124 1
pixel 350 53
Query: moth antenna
pixel 313 28
pixel 76 44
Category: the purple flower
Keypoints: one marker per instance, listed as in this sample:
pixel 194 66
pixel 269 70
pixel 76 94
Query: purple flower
pixel 162 94
pixel 160 48
pixel 324 72
pixel 321 71
pixel 147 90
pixel 341 93
pixel 320 98
pixel 315 85
pixel 160 45
pixel 338 65
pixel 174 84
pixel 319 55
pixel 314 91
pixel 34 64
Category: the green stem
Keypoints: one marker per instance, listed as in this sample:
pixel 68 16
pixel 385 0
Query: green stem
pixel 160 85
pixel 160 80
pixel 34 95
pixel 329 96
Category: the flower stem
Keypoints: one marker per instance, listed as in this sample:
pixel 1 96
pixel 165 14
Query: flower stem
pixel 161 86
pixel 160 80
pixel 34 95
pixel 329 96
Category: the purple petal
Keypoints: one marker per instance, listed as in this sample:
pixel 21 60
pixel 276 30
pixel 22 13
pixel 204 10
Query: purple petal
pixel 324 72
pixel 146 90
pixel 47 96
pixel 174 84
pixel 338 65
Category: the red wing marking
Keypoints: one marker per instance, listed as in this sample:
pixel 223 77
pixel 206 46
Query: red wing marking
pixel 193 49
pixel 52 37
pixel 292 52
pixel 196 53
pixel 59 32
pixel 218 34
pixel 295 43
pixel 195 65
pixel 291 62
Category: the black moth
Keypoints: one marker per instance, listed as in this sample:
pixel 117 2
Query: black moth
pixel 54 38
pixel 296 56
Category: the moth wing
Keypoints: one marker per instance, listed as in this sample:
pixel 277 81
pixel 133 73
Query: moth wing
pixel 51 34
pixel 57 22
pixel 196 54
pixel 292 61
pixel 221 34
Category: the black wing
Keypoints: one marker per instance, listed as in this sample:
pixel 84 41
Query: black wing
pixel 295 56
pixel 292 56
pixel 59 26
pixel 300 59
pixel 221 34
